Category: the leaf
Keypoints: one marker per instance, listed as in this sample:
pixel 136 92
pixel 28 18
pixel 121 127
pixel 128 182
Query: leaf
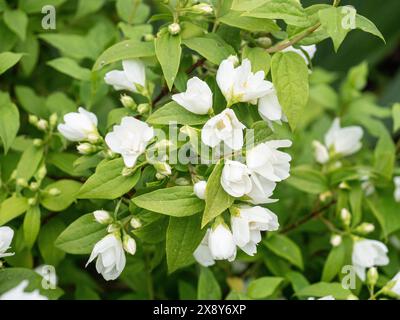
pixel 81 236
pixel 308 180
pixel 17 21
pixel 290 77
pixel 11 208
pixel 125 50
pixel 235 19
pixel 174 113
pixel 211 46
pixel 334 262
pixel 36 6
pixel 247 5
pixel 29 162
pixel 298 280
pixel 70 68
pixel 263 287
pixel 9 121
pixel 31 49
pixel 65 162
pixel 46 241
pixel 366 25
pixel 8 60
pixel 396 117
pixel 285 248
pixel 70 45
pixel 385 156
pixel 179 201
pixel 322 289
pixel 259 58
pixel 183 237
pixel 87 7
pixel 68 191
pixel 31 225
pixel 208 287
pixel 259 133
pixel 217 200
pixel 168 52
pixel 133 12
pixel 30 101
pixel 108 182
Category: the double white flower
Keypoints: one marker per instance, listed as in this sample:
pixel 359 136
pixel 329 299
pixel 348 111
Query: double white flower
pixel 199 189
pixel 18 293
pixel 129 139
pixel 247 224
pixel 306 52
pixel 367 254
pixel 235 179
pixel 338 141
pixel 110 256
pixel 132 76
pixel 241 84
pixel 269 107
pixel 6 236
pixel 79 126
pixel 198 97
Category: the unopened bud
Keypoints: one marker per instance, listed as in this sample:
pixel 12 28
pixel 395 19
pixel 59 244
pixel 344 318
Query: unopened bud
pixel 126 172
pixel 203 8
pixel 344 186
pixel 128 102
pixel 182 182
pixel 33 119
pixel 159 176
pixel 42 125
pixel 93 137
pixel 264 42
pixel 53 119
pixel 42 172
pixel 129 244
pixel 34 186
pixel 325 196
pixel 372 276
pixel 135 223
pixel 86 148
pixel 365 228
pixel 143 108
pixel 37 142
pixel 54 192
pixel 21 182
pixel 163 168
pixel 174 28
pixel 32 202
pixel 113 228
pixel 336 240
pixel 102 217
pixel 345 215
pixel 148 37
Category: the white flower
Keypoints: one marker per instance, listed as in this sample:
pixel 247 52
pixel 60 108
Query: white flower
pixel 269 107
pixel 129 139
pixel 248 224
pixel 102 216
pixel 240 84
pixel 133 74
pixel 221 243
pixel 261 190
pixel 309 55
pixel 78 126
pixel 48 273
pixel 18 293
pixel 267 161
pixel 344 141
pixel 235 179
pixel 396 287
pixel 368 253
pixel 129 245
pixel 203 253
pixel 224 127
pixel 197 98
pixel 321 153
pixel 6 236
pixel 396 181
pixel 199 189
pixel 110 257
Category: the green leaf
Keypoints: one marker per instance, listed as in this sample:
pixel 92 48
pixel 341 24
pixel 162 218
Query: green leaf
pixel 17 21
pixel 208 287
pixel 30 101
pixel 108 182
pixel 259 133
pixel 133 12
pixel 46 241
pixel 217 200
pixel 179 201
pixel 87 7
pixel 183 237
pixel 125 50
pixel 31 49
pixel 308 180
pixel 247 5
pixel 297 280
pixel 65 162
pixel 81 236
pixel 168 52
pixel 211 46
pixel 8 60
pixel 322 289
pixel 235 19
pixel 70 68
pixel 9 121
pixel 11 208
pixel 29 162
pixel 71 45
pixel 263 287
pixel 285 248
pixel 36 6
pixel 259 58
pixel 290 77
pixel 68 192
pixel 60 103
pixel 366 25
pixel 396 117
pixel 385 156
pixel 174 113
pixel 31 225
pixel 334 263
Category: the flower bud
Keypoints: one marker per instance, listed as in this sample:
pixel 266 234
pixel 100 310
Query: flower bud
pixel 53 119
pixel 325 196
pixel 34 186
pixel 102 217
pixel 33 119
pixel 163 168
pixel 135 223
pixel 365 228
pixel 174 28
pixel 42 172
pixel 113 228
pixel 345 215
pixel 344 186
pixel 32 202
pixel 336 240
pixel 54 192
pixel 182 181
pixel 264 42
pixel 42 124
pixel 86 148
pixel 129 244
pixel 128 102
pixel 37 142
pixel 93 137
pixel 159 176
pixel 143 108
pixel 148 37
pixel 203 8
pixel 21 182
pixel 372 276
pixel 126 172
pixel 199 189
